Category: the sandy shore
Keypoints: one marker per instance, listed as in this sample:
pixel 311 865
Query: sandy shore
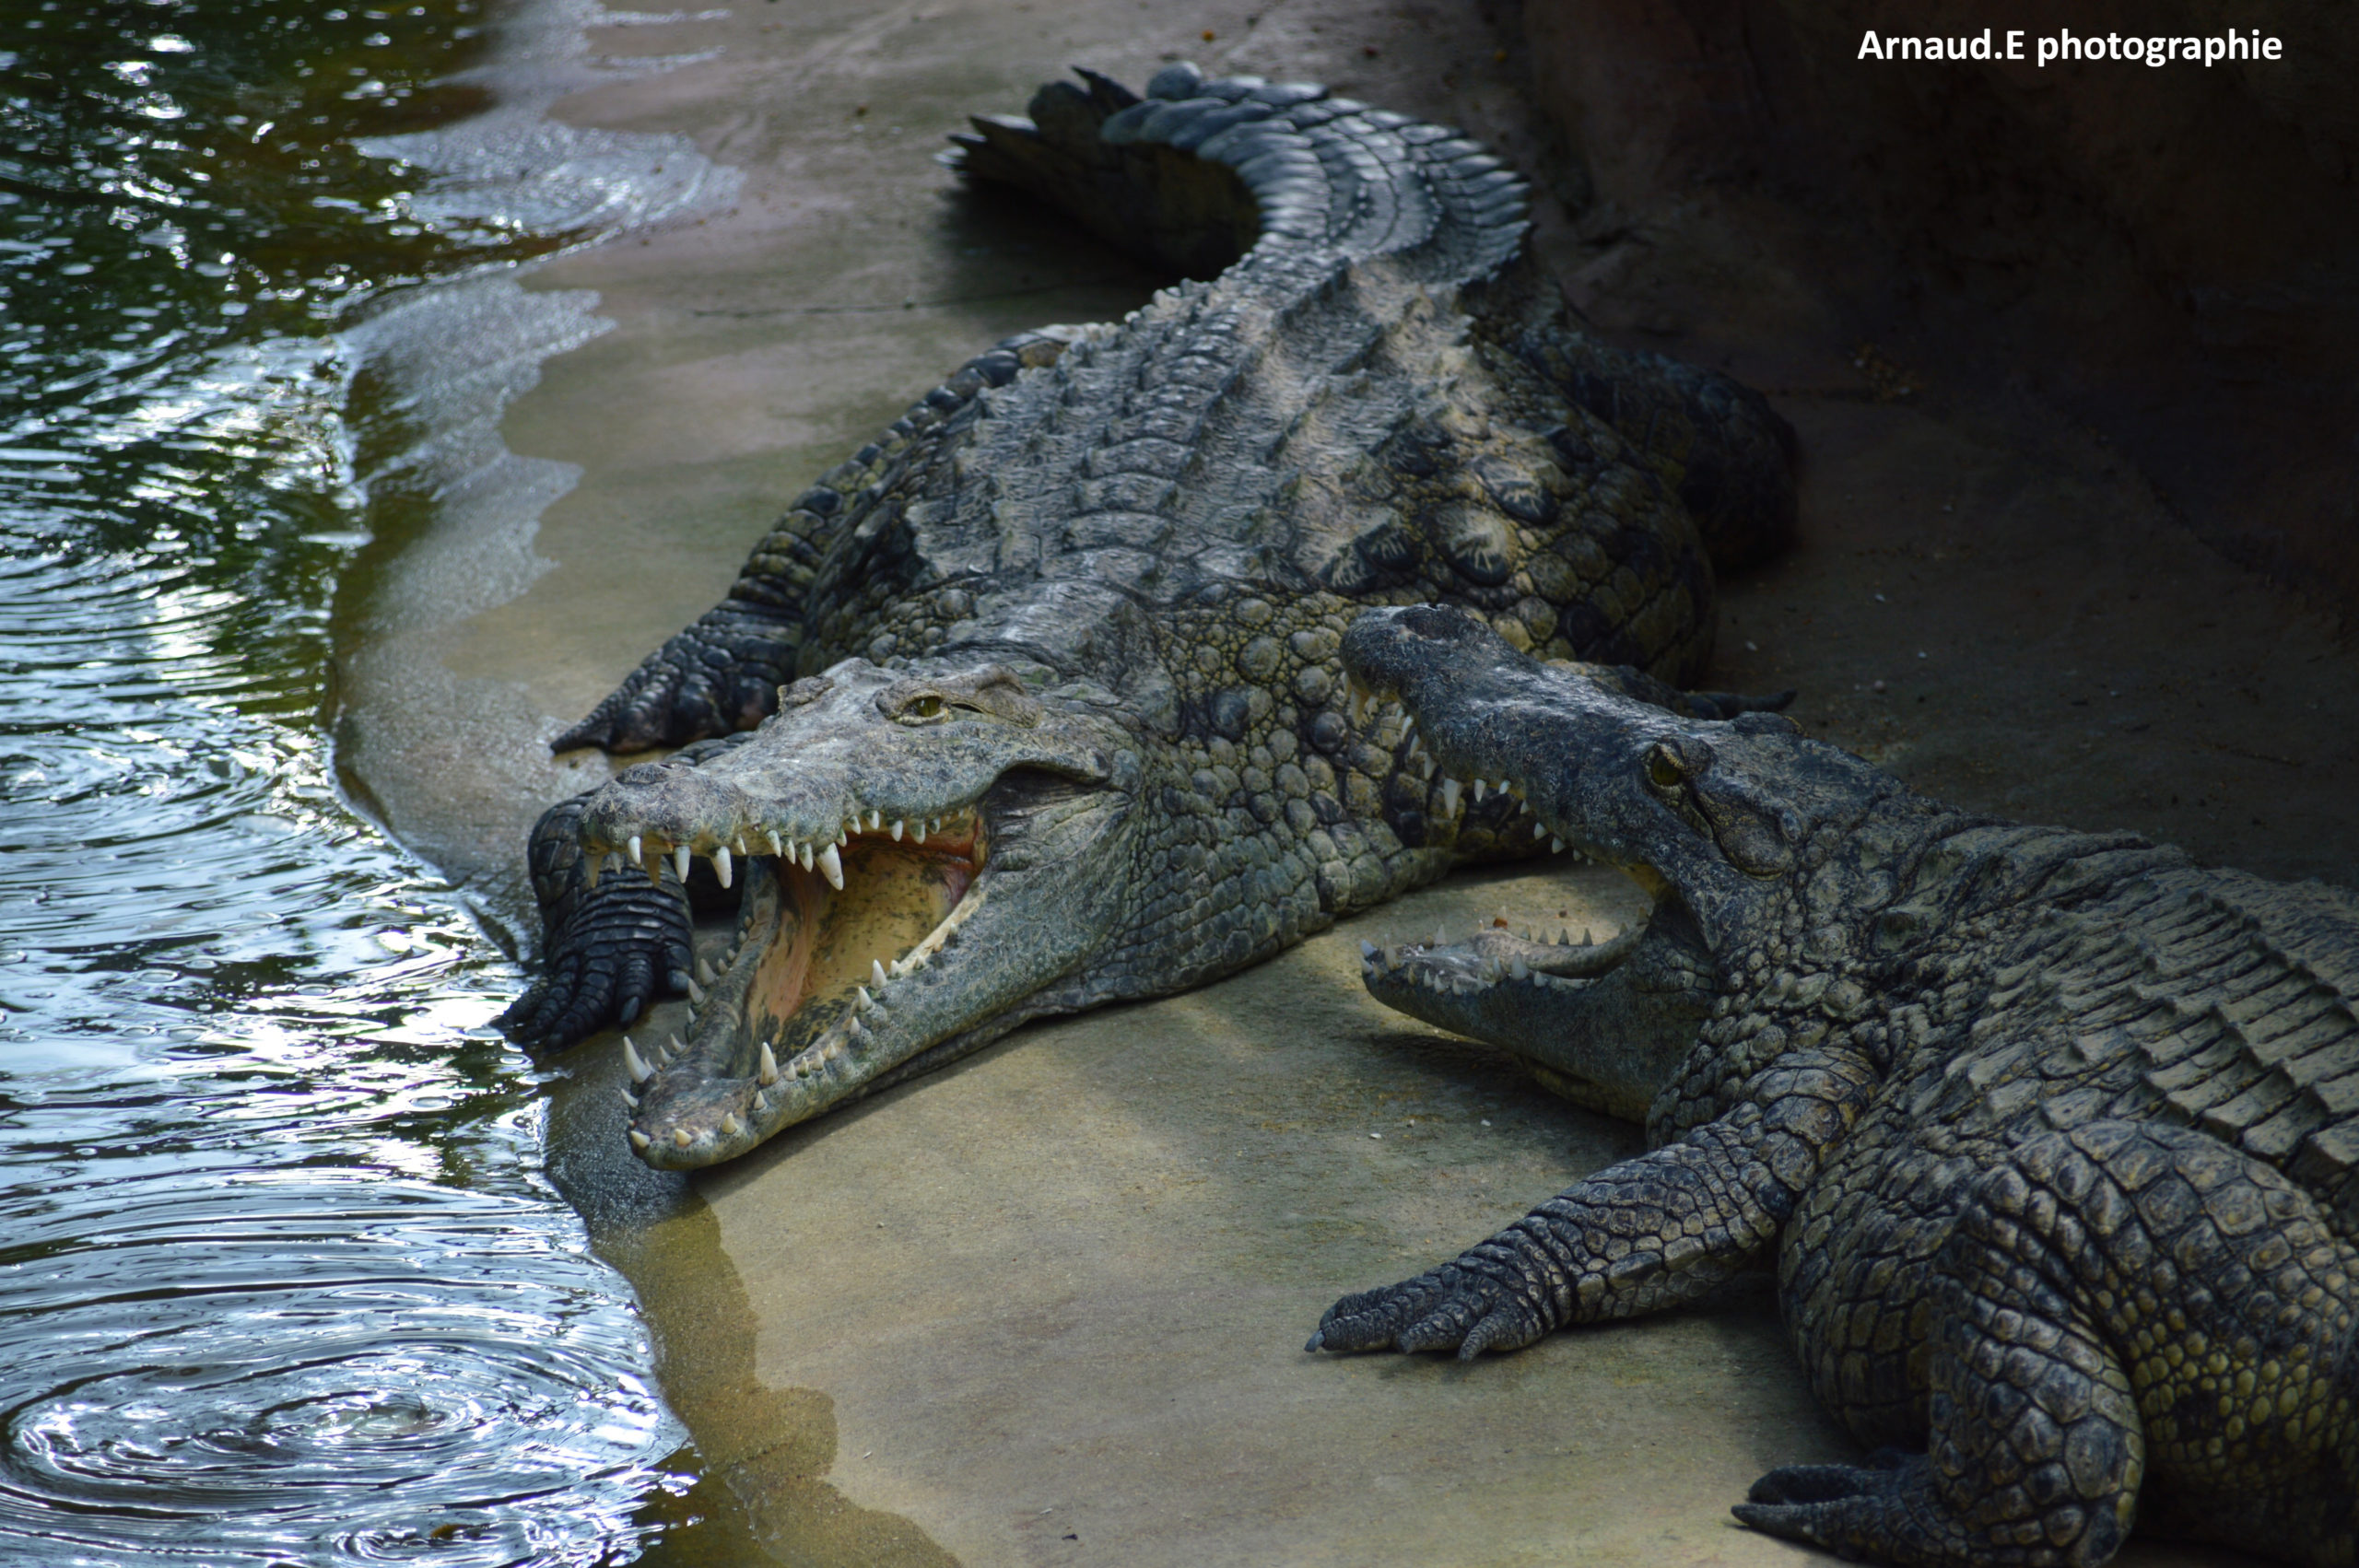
pixel 1047 1307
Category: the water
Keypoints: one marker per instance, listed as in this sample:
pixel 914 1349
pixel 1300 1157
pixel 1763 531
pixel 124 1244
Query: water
pixel 281 1281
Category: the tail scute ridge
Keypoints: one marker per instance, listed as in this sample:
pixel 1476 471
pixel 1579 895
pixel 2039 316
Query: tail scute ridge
pixel 1198 170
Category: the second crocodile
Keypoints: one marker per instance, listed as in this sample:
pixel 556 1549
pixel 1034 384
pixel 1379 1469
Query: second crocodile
pixel 2052 1136
pixel 1034 705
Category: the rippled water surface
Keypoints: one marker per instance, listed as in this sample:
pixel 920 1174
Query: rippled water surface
pixel 280 1280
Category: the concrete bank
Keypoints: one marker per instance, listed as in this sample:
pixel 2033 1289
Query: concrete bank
pixel 1047 1307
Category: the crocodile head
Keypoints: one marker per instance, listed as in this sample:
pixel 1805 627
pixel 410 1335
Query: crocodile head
pixel 1713 819
pixel 913 854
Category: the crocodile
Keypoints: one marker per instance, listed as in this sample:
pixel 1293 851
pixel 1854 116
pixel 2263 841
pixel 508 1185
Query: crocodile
pixel 1032 705
pixel 2053 1135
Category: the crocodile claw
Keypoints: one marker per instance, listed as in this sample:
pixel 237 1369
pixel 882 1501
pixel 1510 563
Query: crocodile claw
pixel 1445 1308
pixel 607 964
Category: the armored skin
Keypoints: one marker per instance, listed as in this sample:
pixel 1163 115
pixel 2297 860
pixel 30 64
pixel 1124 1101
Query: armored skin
pixel 2053 1135
pixel 1033 704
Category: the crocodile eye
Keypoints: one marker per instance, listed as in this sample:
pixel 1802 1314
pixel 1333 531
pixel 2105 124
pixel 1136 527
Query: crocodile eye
pixel 926 707
pixel 1664 769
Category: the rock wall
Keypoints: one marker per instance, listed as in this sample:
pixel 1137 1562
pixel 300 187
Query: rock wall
pixel 2169 253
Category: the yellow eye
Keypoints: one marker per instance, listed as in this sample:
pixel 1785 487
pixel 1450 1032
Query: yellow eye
pixel 1664 769
pixel 928 707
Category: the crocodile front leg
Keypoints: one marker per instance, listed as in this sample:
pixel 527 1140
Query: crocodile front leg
pixel 611 945
pixel 718 674
pixel 1636 1237
pixel 610 949
pixel 722 672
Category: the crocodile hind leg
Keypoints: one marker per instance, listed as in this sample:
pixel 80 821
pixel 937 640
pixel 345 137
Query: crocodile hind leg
pixel 2113 1301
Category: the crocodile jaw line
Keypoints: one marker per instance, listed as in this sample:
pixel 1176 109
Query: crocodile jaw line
pixel 954 928
pixel 802 978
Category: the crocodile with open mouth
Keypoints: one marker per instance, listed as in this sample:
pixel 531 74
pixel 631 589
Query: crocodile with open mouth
pixel 2053 1135
pixel 1033 704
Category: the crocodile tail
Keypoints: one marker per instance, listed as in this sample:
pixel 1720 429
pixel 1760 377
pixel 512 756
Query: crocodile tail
pixel 1201 172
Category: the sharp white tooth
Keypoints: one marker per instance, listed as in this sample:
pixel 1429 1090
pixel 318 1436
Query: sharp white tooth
pixel 918 829
pixel 720 864
pixel 639 1140
pixel 1539 830
pixel 1450 797
pixel 806 852
pixel 1555 844
pixel 1479 788
pixel 843 834
pixel 680 1137
pixel 1519 969
pixel 831 866
pixel 1367 950
pixel 876 819
pixel 591 866
pixel 729 1127
pixel 1428 768
pixel 696 994
pixel 897 829
pixel 867 1003
pixel 631 1100
pixel 876 972
pixel 741 845
pixel 768 1073
pixel 705 971
pixel 634 859
pixel 776 848
pixel 634 1063
pixel 680 859
pixel 1441 936
pixel 673 1049
pixel 938 824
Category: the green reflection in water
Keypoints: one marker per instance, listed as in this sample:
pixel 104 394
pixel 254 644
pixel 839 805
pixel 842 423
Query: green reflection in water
pixel 281 1280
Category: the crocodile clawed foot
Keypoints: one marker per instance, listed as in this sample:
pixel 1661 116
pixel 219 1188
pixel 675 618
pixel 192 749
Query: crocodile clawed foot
pixel 625 948
pixel 1825 1483
pixel 1886 1511
pixel 715 678
pixel 1449 1308
pixel 578 995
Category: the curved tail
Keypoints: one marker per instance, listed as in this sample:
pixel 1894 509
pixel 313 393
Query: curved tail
pixel 1201 172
